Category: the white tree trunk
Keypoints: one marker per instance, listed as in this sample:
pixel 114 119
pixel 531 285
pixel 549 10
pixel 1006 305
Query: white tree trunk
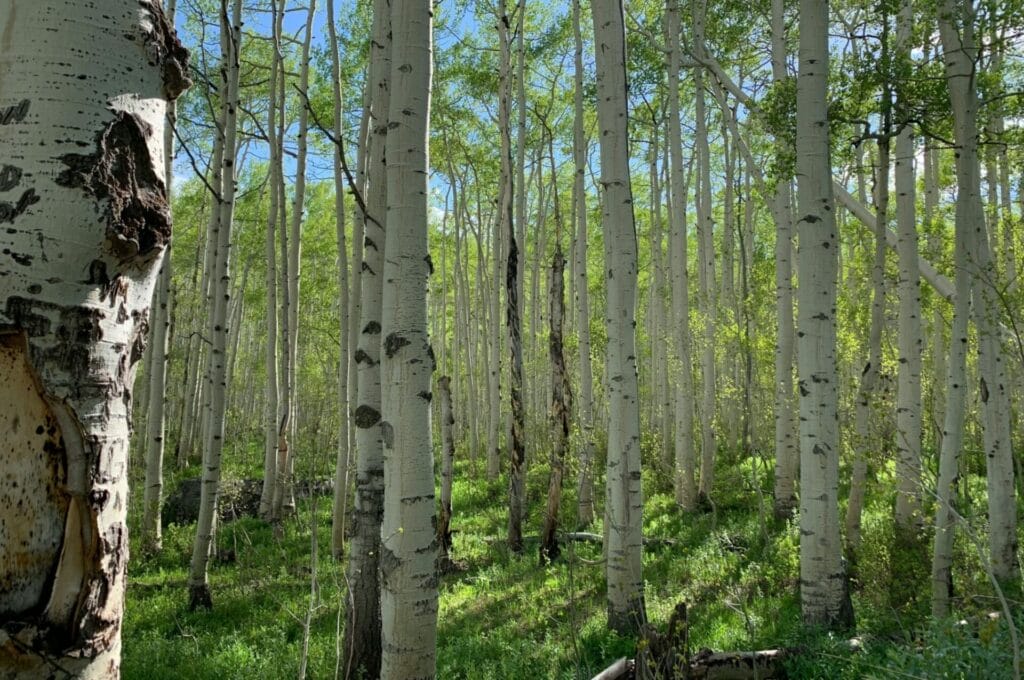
pixel 824 597
pixel 362 646
pixel 960 52
pixel 341 464
pixel 685 455
pixel 908 385
pixel 86 219
pixel 272 391
pixel 444 522
pixel 624 503
pixel 198 580
pixel 708 298
pixel 585 499
pixel 408 570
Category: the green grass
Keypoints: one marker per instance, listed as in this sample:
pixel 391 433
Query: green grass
pixel 504 617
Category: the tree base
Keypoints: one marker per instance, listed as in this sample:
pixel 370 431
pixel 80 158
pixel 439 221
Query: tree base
pixel 199 597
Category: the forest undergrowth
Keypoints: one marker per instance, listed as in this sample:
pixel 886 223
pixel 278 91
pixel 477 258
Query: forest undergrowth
pixel 504 617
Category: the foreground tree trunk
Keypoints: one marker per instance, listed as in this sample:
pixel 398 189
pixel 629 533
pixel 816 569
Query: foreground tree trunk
pixel 824 595
pixel 624 504
pixel 87 222
pixel 444 522
pixel 408 571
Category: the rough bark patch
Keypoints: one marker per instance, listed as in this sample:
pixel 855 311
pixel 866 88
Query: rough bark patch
pixel 165 50
pixel 121 177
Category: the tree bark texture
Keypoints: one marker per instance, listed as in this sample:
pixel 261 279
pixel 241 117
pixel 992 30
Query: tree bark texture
pixel 85 89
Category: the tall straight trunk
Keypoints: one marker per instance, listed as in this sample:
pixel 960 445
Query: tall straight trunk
pixel 561 397
pixel 517 433
pixel 272 390
pixel 362 645
pixel 585 487
pixel 824 593
pixel 867 437
pixel 659 354
pixel 198 578
pixel 706 257
pixel 685 455
pixel 358 231
pixel 408 572
pixel 86 225
pixel 960 53
pixel 342 460
pixel 787 456
pixel 624 502
pixel 284 493
pixel 160 322
pixel 908 385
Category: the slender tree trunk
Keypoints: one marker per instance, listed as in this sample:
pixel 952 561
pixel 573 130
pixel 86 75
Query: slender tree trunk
pixel 624 505
pixel 198 579
pixel 685 455
pixel 408 570
pixel 824 593
pixel 561 398
pixel 706 256
pixel 908 388
pixel 585 487
pixel 161 323
pixel 81 106
pixel 787 456
pixel 362 646
pixel 272 390
pixel 341 464
pixel 517 447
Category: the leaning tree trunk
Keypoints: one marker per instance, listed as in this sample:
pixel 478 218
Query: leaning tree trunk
pixel 198 579
pixel 86 223
pixel 624 504
pixel 824 595
pixel 585 487
pixel 408 570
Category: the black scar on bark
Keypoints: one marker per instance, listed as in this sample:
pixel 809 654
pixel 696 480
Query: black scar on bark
pixel 121 177
pixel 393 343
pixel 163 49
pixel 366 416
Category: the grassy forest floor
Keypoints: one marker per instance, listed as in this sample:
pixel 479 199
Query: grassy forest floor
pixel 503 617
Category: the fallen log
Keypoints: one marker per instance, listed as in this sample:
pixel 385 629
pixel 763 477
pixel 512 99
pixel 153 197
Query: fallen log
pixel 620 670
pixel 762 665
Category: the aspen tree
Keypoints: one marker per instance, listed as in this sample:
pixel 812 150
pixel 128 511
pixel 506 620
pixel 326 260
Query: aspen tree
pixel 198 578
pixel 624 504
pixel 585 487
pixel 685 456
pixel 160 322
pixel 824 594
pixel 85 93
pixel 362 644
pixel 408 570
